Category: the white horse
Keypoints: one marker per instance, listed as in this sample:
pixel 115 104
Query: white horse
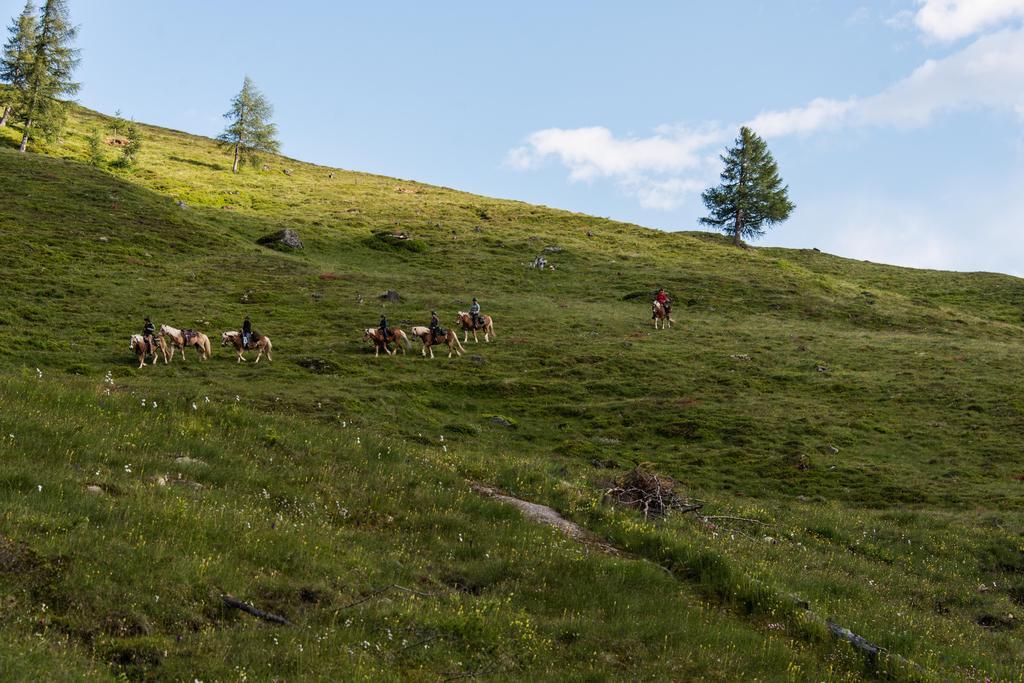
pixel 235 338
pixel 198 340
pixel 427 337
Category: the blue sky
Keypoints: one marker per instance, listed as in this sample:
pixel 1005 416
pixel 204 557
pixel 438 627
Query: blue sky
pixel 897 124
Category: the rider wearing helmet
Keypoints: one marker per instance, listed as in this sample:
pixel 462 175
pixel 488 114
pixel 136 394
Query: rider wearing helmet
pixel 246 332
pixel 474 313
pixel 148 333
pixel 435 326
pixel 384 328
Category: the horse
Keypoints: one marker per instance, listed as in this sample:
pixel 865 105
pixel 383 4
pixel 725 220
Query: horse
pixel 235 338
pixel 466 320
pixel 661 314
pixel 198 340
pixel 137 343
pixel 451 338
pixel 398 336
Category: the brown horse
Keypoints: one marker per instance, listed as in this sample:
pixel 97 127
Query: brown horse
pixel 138 344
pixel 198 340
pixel 427 337
pixel 396 336
pixel 235 339
pixel 659 313
pixel 466 320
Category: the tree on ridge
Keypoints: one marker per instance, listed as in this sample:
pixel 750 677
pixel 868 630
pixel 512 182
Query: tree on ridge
pixel 249 131
pixel 751 194
pixel 49 74
pixel 17 56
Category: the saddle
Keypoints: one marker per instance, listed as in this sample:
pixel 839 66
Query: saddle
pixel 438 335
pixel 187 336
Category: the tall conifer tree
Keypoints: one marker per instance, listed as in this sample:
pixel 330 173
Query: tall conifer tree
pixel 17 56
pixel 249 132
pixel 751 195
pixel 49 75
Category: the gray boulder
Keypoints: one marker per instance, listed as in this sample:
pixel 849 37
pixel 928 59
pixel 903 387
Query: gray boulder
pixel 282 238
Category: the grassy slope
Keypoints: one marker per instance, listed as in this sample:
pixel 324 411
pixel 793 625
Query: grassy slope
pixel 910 535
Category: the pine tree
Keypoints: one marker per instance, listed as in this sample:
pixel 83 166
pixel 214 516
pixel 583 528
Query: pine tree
pixel 49 74
pixel 250 131
pixel 94 142
pixel 17 56
pixel 751 195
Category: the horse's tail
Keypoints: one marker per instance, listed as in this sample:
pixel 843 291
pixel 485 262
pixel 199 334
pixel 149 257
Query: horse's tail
pixel 491 325
pixel 458 343
pixel 405 340
pixel 269 345
pixel 206 346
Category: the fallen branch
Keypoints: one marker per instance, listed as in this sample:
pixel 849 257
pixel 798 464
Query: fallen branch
pixel 249 608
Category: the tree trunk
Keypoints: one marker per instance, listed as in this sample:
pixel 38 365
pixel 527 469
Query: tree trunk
pixel 3 119
pixel 737 228
pixel 24 137
pixel 234 168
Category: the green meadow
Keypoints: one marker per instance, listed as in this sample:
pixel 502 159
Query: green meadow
pixel 853 430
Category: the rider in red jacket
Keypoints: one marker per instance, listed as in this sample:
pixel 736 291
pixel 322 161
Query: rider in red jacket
pixel 662 298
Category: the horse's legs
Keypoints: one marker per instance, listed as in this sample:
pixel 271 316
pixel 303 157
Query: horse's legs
pixel 259 355
pixel 465 336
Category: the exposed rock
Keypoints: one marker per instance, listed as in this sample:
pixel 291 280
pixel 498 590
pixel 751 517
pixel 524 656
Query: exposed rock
pixel 501 421
pixel 553 250
pixel 286 171
pixel 821 368
pixel 833 450
pixel 391 296
pixel 479 360
pixel 181 204
pixel 540 263
pixel 95 490
pixel 286 238
pixel 186 460
pixel 740 356
pixel 104 239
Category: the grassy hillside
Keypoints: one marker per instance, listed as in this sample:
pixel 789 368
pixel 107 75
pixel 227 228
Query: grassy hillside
pixel 855 430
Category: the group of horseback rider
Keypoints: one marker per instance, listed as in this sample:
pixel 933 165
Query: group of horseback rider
pixel 149 334
pixel 435 324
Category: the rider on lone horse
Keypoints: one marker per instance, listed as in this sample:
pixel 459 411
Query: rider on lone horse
pixel 666 304
pixel 246 332
pixel 384 332
pixel 474 314
pixel 148 334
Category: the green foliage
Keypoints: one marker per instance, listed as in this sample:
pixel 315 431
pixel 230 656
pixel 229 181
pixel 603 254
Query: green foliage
pixel 94 141
pixel 48 74
pixel 132 147
pixel 751 195
pixel 118 124
pixel 16 59
pixel 250 132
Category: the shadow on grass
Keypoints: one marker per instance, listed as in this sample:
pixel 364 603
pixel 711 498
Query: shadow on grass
pixel 196 162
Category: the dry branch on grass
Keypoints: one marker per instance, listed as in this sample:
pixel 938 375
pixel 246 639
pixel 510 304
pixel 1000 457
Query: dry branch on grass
pixel 651 493
pixel 249 608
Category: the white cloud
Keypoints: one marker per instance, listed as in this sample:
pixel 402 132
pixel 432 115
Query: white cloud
pixel 660 170
pixel 595 152
pixel 953 19
pixel 988 73
pixel 820 113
